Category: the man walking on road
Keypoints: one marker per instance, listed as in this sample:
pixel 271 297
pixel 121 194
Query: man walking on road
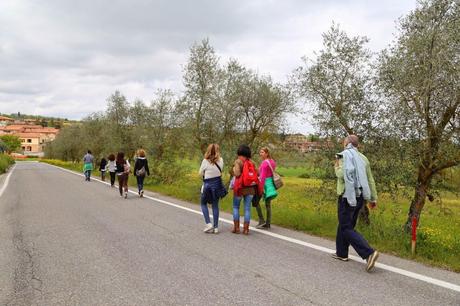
pixel 88 160
pixel 355 184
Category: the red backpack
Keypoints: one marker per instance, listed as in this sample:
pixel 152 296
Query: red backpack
pixel 249 174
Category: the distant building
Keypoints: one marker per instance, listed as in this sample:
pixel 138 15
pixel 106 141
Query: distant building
pixel 5 120
pixel 302 143
pixel 33 137
pixel 31 143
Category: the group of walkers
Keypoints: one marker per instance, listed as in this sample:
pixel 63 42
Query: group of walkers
pixel 119 167
pixel 251 185
pixel 355 186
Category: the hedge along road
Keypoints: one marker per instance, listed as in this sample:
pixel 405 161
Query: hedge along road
pixel 69 242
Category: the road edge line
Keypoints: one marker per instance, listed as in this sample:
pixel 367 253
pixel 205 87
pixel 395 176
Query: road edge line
pixel 7 180
pixel 421 277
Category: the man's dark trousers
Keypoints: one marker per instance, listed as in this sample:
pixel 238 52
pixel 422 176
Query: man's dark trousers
pixel 346 234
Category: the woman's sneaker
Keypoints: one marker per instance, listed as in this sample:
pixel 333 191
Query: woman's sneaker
pixel 216 230
pixel 141 194
pixel 126 194
pixel 260 225
pixel 209 228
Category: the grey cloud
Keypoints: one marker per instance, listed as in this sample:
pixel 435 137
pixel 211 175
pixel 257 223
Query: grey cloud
pixel 63 57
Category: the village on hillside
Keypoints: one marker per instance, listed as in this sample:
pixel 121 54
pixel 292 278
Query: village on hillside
pixel 33 136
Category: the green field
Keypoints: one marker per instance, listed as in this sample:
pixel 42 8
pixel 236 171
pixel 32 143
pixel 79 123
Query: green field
pixel 305 204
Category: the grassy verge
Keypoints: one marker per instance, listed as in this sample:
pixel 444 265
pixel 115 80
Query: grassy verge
pixel 5 162
pixel 303 205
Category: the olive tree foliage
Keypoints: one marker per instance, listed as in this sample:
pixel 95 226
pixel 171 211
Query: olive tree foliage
pixel 337 85
pixel 164 126
pixel 420 75
pixel 11 143
pixel 228 96
pixel 338 88
pixel 122 127
pixel 119 116
pixel 230 104
pixel 200 78
pixel 263 105
pixel 95 135
pixel 68 144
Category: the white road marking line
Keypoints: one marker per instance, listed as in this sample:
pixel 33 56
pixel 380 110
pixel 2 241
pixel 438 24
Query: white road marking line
pixel 5 184
pixel 407 273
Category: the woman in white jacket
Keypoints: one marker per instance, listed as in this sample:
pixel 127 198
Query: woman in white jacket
pixel 213 188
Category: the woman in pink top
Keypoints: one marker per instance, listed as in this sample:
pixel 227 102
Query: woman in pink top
pixel 266 169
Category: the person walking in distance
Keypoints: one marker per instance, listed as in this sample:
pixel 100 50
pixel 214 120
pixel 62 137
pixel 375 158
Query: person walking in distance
pixel 266 169
pixel 112 168
pixel 123 168
pixel 244 187
pixel 88 160
pixel 355 184
pixel 213 188
pixel 103 168
pixel 141 168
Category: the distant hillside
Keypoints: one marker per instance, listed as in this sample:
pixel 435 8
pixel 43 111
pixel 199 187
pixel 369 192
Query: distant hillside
pixel 44 121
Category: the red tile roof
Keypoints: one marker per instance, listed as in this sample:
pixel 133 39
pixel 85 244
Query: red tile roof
pixel 27 135
pixel 29 129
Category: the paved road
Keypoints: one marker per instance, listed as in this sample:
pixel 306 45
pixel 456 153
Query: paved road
pixel 64 241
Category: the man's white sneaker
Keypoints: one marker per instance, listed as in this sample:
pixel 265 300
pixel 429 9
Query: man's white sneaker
pixel 335 256
pixel 209 228
pixel 216 230
pixel 141 193
pixel 371 261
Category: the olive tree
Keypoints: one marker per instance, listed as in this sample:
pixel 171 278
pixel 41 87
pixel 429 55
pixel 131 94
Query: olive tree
pixel 10 142
pixel 337 85
pixel 263 105
pixel 200 77
pixel 420 75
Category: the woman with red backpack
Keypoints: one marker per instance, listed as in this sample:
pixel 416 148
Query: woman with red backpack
pixel 245 186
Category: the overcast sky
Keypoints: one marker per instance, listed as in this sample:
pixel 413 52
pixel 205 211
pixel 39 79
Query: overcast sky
pixel 64 58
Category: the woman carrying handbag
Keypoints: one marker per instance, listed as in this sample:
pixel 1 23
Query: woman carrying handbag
pixel 266 172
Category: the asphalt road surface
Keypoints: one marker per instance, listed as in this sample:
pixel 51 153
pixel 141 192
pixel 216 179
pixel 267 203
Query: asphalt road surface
pixel 64 241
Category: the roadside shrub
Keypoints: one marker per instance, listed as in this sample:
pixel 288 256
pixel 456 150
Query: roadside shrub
pixel 5 162
pixel 167 171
